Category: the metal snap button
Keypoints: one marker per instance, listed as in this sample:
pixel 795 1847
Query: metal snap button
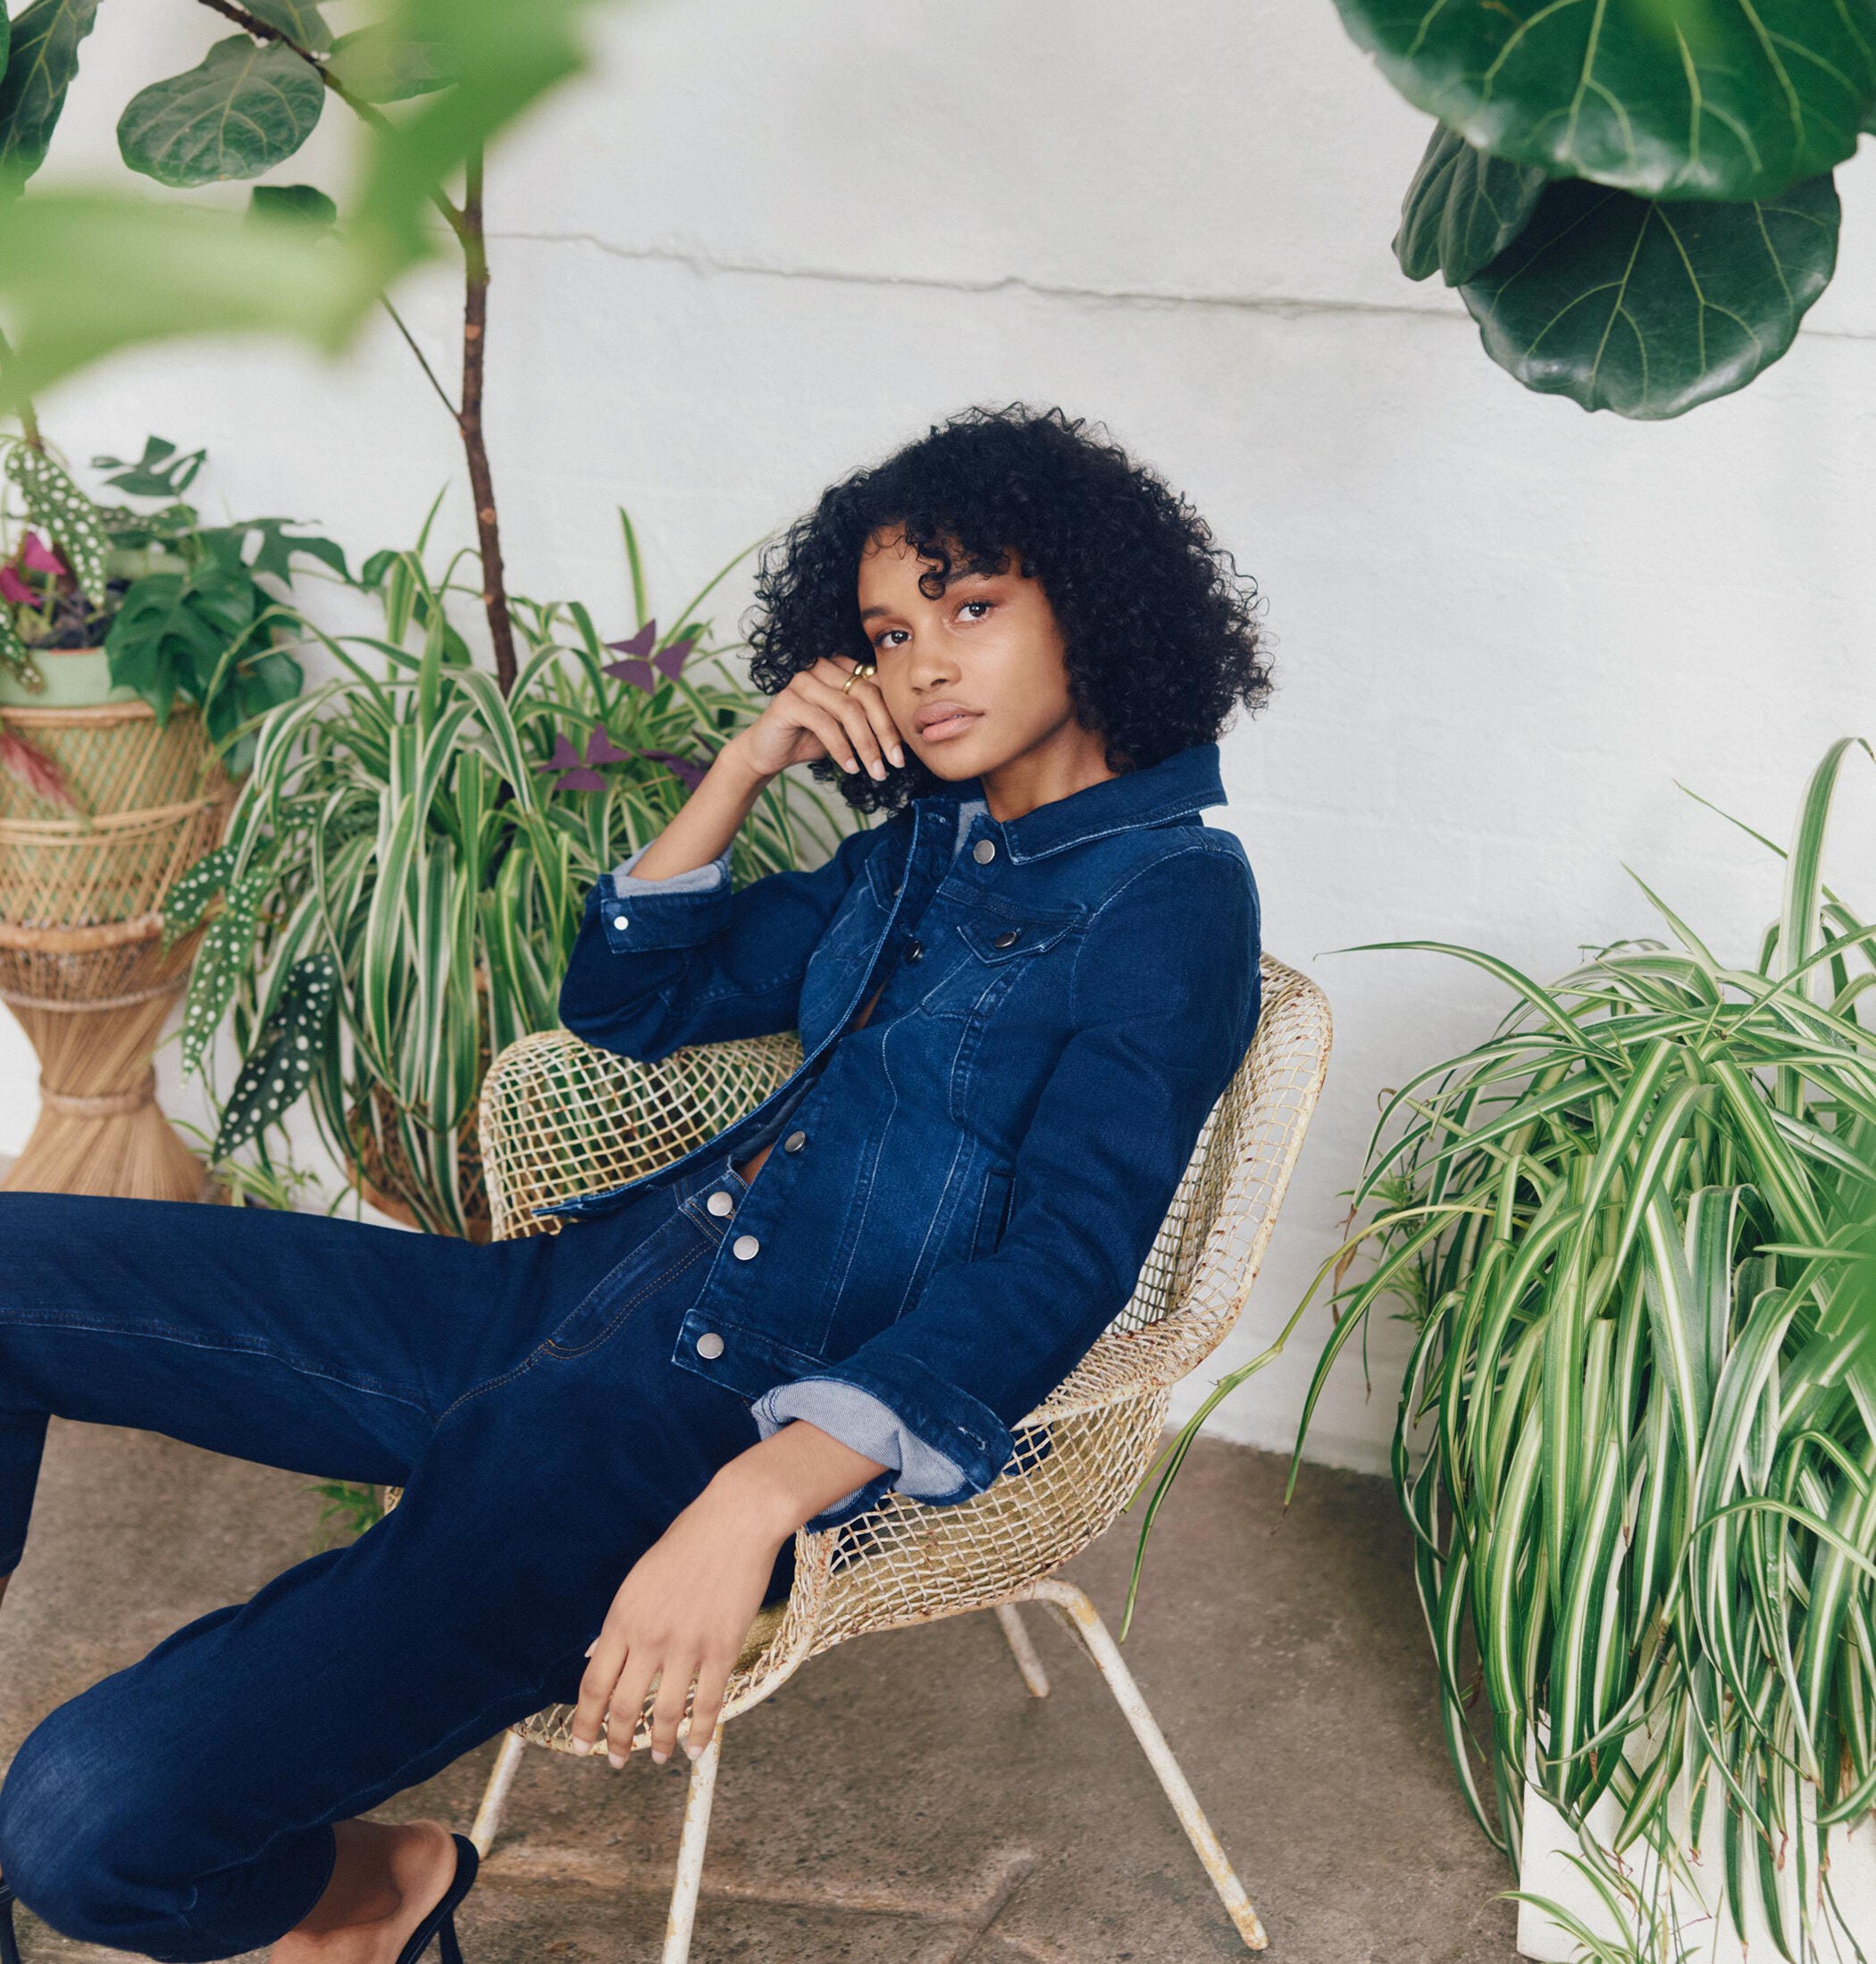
pixel 744 1248
pixel 720 1204
pixel 620 922
pixel 709 1345
pixel 1006 939
pixel 794 1142
pixel 984 852
pixel 915 951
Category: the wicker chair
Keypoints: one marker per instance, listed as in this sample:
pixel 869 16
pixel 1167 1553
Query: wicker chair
pixel 560 1118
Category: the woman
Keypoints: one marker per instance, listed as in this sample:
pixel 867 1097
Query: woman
pixel 1017 1000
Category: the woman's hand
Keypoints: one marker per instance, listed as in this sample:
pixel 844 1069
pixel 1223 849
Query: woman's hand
pixel 687 1605
pixel 816 716
pixel 682 1613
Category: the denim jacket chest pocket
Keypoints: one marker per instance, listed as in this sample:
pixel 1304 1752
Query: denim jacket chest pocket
pixel 986 955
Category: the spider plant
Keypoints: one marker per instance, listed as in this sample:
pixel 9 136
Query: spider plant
pixel 404 872
pixel 1637 1436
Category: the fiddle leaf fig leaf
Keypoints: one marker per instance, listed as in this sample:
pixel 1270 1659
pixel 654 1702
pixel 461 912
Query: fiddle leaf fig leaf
pixel 295 204
pixel 245 107
pixel 299 20
pixel 1649 308
pixel 377 66
pixel 1728 99
pixel 1462 209
pixel 40 62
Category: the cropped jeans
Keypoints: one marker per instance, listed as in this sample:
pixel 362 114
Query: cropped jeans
pixel 521 1393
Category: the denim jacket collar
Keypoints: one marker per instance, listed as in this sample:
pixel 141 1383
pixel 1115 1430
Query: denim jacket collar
pixel 1184 783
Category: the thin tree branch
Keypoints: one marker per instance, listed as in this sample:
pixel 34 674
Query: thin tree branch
pixel 456 415
pixel 367 113
pixel 475 322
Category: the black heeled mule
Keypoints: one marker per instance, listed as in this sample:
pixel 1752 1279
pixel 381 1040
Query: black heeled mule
pixel 441 1923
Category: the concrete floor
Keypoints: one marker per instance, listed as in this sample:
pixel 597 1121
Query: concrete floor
pixel 903 1801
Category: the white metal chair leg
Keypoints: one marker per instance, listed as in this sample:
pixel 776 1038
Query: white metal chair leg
pixel 495 1795
pixel 691 1851
pixel 1024 1651
pixel 1105 1654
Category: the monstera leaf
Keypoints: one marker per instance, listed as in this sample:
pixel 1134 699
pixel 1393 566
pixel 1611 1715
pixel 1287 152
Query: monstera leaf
pixel 40 63
pixel 246 107
pixel 1648 308
pixel 1682 99
pixel 1462 209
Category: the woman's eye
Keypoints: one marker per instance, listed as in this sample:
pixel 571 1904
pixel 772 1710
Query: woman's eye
pixel 975 609
pixel 891 638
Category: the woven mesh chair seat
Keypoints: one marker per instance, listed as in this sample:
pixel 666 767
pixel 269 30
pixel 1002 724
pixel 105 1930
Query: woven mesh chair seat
pixel 559 1117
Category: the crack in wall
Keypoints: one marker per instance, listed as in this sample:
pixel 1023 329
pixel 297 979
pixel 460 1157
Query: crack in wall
pixel 1279 306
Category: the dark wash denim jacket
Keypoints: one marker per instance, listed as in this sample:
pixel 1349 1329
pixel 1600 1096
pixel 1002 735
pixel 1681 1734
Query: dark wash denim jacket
pixel 975 1175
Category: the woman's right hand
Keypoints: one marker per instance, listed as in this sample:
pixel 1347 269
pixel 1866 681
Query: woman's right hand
pixel 815 715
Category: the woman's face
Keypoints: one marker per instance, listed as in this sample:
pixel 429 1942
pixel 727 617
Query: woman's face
pixel 974 679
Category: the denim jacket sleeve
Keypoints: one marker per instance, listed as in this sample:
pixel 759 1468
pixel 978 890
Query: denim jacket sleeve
pixel 1165 993
pixel 658 965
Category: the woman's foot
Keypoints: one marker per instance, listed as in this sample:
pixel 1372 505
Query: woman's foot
pixel 388 1878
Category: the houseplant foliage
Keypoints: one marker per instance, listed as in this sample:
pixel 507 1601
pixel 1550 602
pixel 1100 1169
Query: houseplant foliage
pixel 1629 1232
pixel 1633 198
pixel 404 875
pixel 426 82
pixel 184 610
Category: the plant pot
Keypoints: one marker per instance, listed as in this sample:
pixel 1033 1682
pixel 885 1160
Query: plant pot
pixel 82 962
pixel 74 677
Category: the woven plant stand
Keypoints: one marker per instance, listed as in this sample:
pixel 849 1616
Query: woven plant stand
pixel 82 962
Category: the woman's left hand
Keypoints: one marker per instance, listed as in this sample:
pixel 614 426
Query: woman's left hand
pixel 682 1613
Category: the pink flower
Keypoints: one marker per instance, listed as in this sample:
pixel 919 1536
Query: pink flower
pixel 14 589
pixel 37 557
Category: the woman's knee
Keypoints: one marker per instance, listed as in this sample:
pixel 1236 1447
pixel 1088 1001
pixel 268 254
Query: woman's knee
pixel 76 1823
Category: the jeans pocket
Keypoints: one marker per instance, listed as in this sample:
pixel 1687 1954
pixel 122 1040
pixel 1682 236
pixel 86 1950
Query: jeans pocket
pixel 655 1263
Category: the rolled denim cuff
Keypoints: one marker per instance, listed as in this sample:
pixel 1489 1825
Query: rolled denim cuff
pixel 639 915
pixel 698 879
pixel 950 1425
pixel 861 1420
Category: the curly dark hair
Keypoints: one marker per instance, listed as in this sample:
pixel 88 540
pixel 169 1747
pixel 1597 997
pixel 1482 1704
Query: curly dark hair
pixel 1158 627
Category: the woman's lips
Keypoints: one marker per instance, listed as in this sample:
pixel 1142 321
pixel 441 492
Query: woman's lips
pixel 943 728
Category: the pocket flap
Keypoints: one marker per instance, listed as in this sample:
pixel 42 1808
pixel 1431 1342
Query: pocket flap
pixel 994 938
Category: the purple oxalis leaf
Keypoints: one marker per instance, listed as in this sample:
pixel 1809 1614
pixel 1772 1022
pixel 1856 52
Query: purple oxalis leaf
pixel 600 749
pixel 690 774
pixel 13 589
pixel 639 673
pixel 669 660
pixel 37 557
pixel 580 780
pixel 565 758
pixel 641 643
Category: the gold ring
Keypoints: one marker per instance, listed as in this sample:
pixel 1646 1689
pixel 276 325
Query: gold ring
pixel 863 671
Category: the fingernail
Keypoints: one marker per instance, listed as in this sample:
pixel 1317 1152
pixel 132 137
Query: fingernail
pixel 617 1759
pixel 852 763
pixel 898 757
pixel 696 1752
pixel 657 1758
pixel 877 769
pixel 590 1648
pixel 580 1746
